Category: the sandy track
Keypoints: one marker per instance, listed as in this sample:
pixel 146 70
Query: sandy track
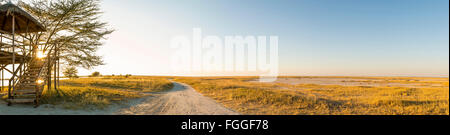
pixel 181 100
pixel 19 109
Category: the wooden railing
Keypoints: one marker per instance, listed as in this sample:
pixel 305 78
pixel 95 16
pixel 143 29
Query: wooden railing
pixel 42 74
pixel 18 74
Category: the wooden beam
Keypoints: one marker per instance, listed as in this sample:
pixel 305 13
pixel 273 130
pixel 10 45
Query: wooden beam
pixel 6 32
pixel 12 39
pixel 8 70
pixel 6 45
pixel 3 67
pixel 10 57
pixel 17 23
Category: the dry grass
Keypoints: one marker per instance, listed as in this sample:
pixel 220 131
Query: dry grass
pixel 99 93
pixel 135 83
pixel 311 99
pixel 3 93
pixel 411 81
pixel 71 97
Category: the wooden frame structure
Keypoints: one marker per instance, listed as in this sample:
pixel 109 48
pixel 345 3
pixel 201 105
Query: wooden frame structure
pixel 21 57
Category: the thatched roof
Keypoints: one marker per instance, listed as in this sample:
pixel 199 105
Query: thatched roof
pixel 22 18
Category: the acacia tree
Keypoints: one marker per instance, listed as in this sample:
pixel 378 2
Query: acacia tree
pixel 73 31
pixel 71 72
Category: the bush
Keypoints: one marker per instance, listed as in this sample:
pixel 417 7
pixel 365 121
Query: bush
pixel 95 74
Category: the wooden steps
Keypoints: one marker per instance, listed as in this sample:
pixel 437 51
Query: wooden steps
pixel 27 89
pixel 24 92
pixel 21 101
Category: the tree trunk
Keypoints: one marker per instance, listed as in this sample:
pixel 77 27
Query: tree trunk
pixel 49 76
pixel 59 66
pixel 54 77
pixel 54 70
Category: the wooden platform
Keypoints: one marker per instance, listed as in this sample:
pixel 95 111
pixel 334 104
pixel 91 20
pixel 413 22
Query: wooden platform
pixel 6 58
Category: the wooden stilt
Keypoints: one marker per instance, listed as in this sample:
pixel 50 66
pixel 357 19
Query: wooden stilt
pixel 13 57
pixel 2 78
pixel 1 41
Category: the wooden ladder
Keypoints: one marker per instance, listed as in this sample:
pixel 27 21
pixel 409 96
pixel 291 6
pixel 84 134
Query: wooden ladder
pixel 30 85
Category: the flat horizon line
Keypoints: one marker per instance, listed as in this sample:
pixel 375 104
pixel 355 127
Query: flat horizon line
pixel 277 76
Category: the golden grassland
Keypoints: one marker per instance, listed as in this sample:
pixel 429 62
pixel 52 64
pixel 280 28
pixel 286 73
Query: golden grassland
pixel 73 97
pixel 134 83
pixel 248 97
pixel 100 92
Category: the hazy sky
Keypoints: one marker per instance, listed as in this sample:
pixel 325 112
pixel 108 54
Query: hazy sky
pixel 316 37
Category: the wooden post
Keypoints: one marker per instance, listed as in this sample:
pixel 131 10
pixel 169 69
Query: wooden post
pixel 3 77
pixel 24 53
pixel 1 41
pixel 13 57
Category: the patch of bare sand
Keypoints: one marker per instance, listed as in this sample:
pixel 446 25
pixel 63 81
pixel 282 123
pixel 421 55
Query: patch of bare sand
pixel 23 109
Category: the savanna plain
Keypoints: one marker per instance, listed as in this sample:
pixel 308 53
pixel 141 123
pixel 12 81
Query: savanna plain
pixel 289 95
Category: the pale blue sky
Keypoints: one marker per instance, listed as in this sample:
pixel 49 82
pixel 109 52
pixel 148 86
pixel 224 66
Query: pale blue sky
pixel 317 37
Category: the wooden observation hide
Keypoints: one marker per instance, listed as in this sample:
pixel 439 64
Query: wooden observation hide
pixel 20 57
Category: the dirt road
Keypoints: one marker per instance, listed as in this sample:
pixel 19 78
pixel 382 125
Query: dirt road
pixel 181 100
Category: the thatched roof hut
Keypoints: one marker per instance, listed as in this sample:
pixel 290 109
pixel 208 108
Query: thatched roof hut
pixel 24 21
